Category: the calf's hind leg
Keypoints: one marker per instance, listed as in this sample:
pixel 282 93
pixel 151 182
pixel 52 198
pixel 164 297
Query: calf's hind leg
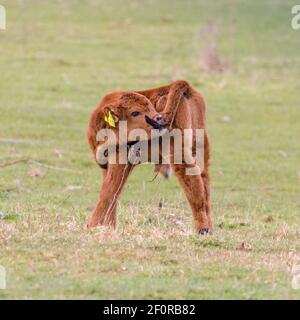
pixel 195 192
pixel 206 180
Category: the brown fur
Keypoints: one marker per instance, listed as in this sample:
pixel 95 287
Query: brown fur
pixel 183 108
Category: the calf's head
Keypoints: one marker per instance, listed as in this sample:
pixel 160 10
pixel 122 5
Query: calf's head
pixel 136 110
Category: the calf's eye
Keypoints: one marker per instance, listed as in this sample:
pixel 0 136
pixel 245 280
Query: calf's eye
pixel 135 113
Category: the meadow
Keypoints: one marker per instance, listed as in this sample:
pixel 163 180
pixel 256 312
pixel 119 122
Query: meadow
pixel 58 58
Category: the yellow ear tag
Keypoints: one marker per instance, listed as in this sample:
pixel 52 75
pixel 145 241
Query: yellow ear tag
pixel 110 120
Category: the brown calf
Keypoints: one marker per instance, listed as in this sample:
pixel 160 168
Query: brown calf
pixel 179 106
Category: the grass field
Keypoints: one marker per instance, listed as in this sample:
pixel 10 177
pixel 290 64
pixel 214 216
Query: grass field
pixel 57 59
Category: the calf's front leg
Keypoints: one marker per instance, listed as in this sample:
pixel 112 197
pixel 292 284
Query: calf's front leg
pixel 114 180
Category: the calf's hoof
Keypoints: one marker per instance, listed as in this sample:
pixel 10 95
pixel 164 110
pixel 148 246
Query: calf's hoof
pixel 205 231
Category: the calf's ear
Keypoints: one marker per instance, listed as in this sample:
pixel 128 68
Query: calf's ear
pixel 110 117
pixel 101 118
pixel 112 114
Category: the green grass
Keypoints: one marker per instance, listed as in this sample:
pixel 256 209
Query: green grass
pixel 57 59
